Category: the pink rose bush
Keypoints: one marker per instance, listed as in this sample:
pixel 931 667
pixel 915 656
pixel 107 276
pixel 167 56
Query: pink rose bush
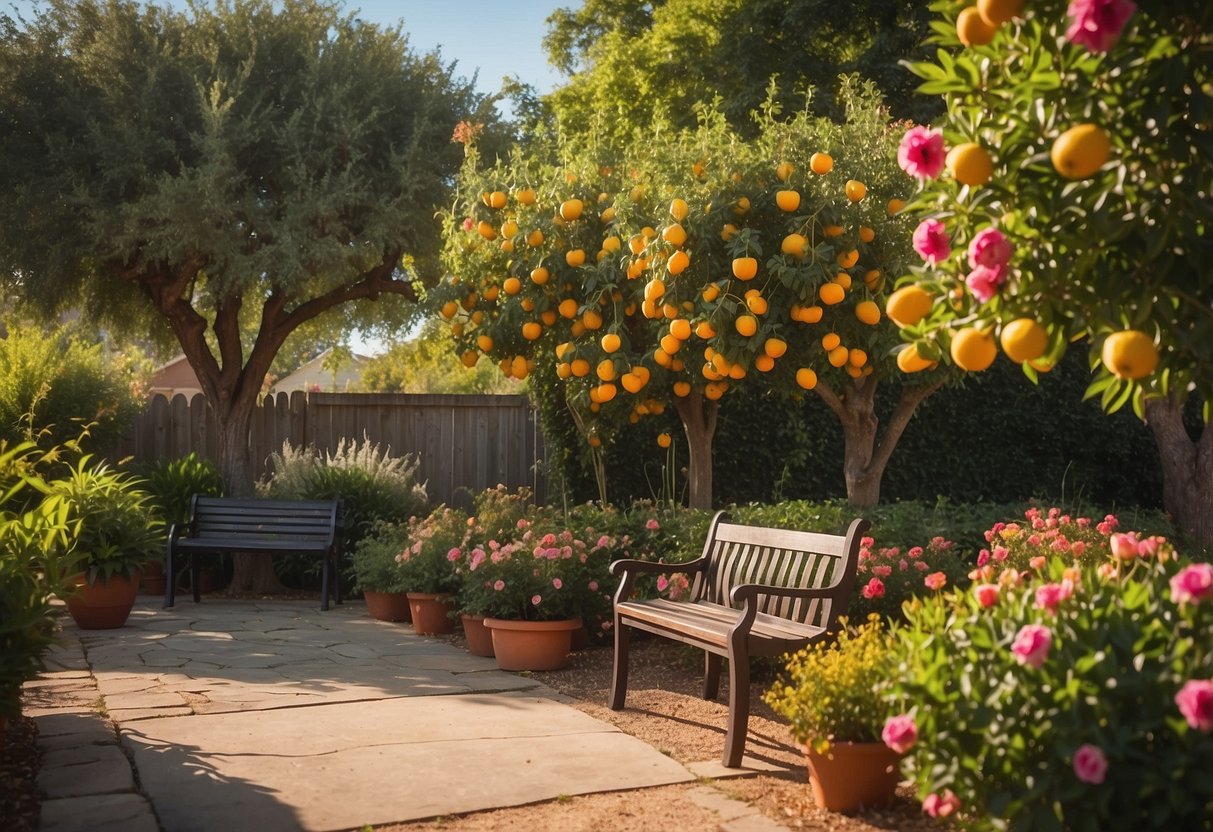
pixel 931 241
pixel 921 153
pixel 1097 24
pixel 889 576
pixel 1076 635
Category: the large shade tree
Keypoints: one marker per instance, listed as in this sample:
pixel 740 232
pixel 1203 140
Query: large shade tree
pixel 248 165
pixel 1077 205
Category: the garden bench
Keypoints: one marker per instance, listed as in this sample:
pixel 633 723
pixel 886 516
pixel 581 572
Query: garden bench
pixel 226 524
pixel 755 591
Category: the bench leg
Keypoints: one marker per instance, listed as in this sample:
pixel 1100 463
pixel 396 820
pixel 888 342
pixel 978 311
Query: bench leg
pixel 324 584
pixel 170 583
pixel 194 582
pixel 711 675
pixel 619 673
pixel 739 710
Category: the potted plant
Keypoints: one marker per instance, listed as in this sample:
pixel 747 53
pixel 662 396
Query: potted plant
pixel 172 484
pixel 427 570
pixel 832 698
pixel 113 531
pixel 378 575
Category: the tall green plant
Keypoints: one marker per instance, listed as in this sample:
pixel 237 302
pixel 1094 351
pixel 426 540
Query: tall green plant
pixel 172 484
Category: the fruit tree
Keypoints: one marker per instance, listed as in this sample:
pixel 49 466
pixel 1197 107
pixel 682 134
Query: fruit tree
pixel 1066 197
pixel 695 263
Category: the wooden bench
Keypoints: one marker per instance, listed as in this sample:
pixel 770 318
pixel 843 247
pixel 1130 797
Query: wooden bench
pixel 223 524
pixel 754 592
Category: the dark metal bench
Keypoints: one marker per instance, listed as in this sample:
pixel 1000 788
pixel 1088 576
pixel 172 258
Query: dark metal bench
pixel 754 592
pixel 223 524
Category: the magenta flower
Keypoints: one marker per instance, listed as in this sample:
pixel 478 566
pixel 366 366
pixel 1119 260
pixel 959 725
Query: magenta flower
pixel 1195 701
pixel 921 153
pixel 1096 24
pixel 990 248
pixel 931 241
pixel 652 525
pixel 1090 764
pixel 1124 546
pixel 1050 596
pixel 873 589
pixel 1193 584
pixel 535 599
pixel 1032 643
pixel 593 586
pixel 454 554
pixel 499 585
pixel 900 733
pixel 662 583
pixel 936 580
pixel 940 806
pixel 882 571
pixel 987 594
pixel 984 282
pixel 557 583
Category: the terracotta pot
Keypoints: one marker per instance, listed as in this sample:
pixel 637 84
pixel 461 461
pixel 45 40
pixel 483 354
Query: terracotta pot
pixel 480 637
pixel 531 645
pixel 152 584
pixel 387 606
pixel 853 774
pixel 103 605
pixel 580 639
pixel 431 613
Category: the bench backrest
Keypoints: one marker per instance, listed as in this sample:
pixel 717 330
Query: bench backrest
pixel 738 554
pixel 300 520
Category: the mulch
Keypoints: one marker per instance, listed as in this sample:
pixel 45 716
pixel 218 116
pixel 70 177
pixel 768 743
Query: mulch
pixel 19 763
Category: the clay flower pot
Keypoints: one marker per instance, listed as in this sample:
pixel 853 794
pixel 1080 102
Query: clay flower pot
pixel 853 774
pixel 431 613
pixel 104 605
pixel 387 606
pixel 531 645
pixel 480 637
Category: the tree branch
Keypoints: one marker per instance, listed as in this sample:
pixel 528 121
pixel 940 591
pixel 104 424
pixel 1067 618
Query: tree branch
pixel 831 399
pixel 371 284
pixel 910 398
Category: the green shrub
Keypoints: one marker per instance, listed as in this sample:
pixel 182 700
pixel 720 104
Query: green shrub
pixel 173 482
pixel 425 563
pixel 53 385
pixel 375 563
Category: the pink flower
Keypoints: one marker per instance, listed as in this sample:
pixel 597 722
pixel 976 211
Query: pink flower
pixel 468 225
pixel 984 282
pixel 454 554
pixel 987 594
pixel 1049 596
pixel 557 583
pixel 1195 701
pixel 535 599
pixel 903 564
pixel 662 583
pixel 1193 584
pixel 1000 553
pixel 915 552
pixel 1077 548
pixel 921 565
pixel 499 585
pixel 1090 764
pixel 882 571
pixel 983 557
pixel 940 806
pixel 603 542
pixel 593 586
pixel 1038 562
pixel 652 525
pixel 1032 644
pixel 921 152
pixel 867 542
pixel 900 733
pixel 1149 547
pixel 936 580
pixel 990 248
pixel 1096 24
pixel 873 589
pixel 1124 546
pixel 931 241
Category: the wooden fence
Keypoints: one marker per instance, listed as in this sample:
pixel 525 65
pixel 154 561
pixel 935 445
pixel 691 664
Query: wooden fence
pixel 464 443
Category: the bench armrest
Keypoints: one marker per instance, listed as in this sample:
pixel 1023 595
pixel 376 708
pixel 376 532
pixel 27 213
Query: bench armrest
pixel 631 568
pixel 748 593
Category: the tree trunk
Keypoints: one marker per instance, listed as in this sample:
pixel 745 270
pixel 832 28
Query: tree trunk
pixel 699 422
pixel 864 459
pixel 1187 470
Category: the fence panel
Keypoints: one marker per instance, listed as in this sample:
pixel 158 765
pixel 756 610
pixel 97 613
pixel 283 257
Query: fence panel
pixel 464 444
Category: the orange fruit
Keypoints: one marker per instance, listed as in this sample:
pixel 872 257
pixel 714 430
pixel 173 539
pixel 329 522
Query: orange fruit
pixel 608 214
pixel 973 350
pixel 591 319
pixel 496 199
pixel 661 357
pixel 795 245
pixel 834 230
pixel 470 358
pixel 654 289
pixel 775 347
pixel 485 343
pixel 741 206
pixel 830 341
pixel 811 314
pixel 606 392
pixel 831 293
pixel 678 262
pixel 636 243
pixel 847 259
pixel 531 330
pixel 526 196
pixel 682 389
pixel 705 330
pixel 764 363
pixel 511 285
pixel 457 329
pixel 908 305
pixel 680 328
pixel 727 231
pixel 806 378
pixel 856 190
pixel 838 356
pixel 670 344
pixel 713 390
pixel 821 163
pixel 674 234
pixel 631 382
pixel 857 358
pixel 520 367
pixel 580 367
pixel 605 370
pixel 787 200
pixel 843 279
pixel 568 308
pixel 509 228
pixel 744 268
pixel 571 209
pixel 710 292
pixel 895 205
pixel 868 312
pixel 970 163
pixel 996 12
pixel 611 342
pixel 1130 354
pixel 746 325
pixel 1080 151
pixel 866 234
pixel 783 171
pixel 972 28
pixel 756 303
pixel 535 238
pixel 679 209
pixel 664 440
pixel 540 276
pixel 449 309
pixel 611 243
pixel 1024 340
pixel 574 257
pixel 486 230
pixel 909 361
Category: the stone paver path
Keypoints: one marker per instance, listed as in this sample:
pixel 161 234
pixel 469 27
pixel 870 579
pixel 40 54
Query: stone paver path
pixel 245 715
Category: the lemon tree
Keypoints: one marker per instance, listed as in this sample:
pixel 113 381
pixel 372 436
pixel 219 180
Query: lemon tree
pixel 693 264
pixel 1066 197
